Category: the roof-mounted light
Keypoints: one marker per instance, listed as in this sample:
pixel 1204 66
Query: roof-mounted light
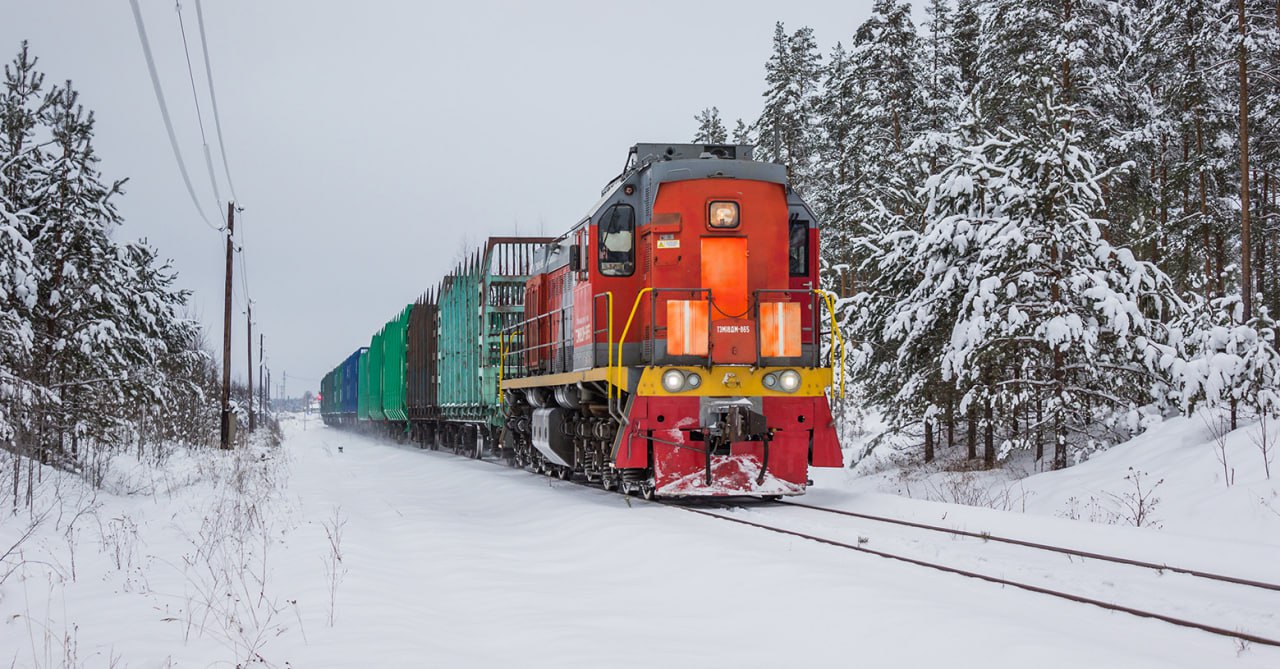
pixel 723 215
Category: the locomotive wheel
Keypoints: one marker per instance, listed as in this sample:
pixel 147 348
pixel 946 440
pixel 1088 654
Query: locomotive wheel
pixel 564 473
pixel 648 490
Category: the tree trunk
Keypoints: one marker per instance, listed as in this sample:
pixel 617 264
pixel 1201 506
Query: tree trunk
pixel 928 439
pixel 951 419
pixel 1211 287
pixel 988 434
pixel 973 433
pixel 1039 428
pixel 1246 248
pixel 1260 263
pixel 1059 417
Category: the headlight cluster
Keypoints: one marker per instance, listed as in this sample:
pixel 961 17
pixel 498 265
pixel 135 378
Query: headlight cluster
pixel 675 380
pixel 788 380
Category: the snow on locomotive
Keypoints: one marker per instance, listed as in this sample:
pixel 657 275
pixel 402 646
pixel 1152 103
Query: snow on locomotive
pixel 671 344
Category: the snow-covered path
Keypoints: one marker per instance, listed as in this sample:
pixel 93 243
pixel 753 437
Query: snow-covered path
pixel 453 562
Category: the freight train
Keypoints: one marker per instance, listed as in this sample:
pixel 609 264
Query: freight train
pixel 673 343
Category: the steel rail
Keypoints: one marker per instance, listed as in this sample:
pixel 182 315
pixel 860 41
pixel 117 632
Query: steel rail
pixel 1045 547
pixel 1221 631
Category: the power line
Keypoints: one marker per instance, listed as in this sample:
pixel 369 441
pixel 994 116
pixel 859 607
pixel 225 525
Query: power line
pixel 208 160
pixel 217 122
pixel 164 112
pixel 244 267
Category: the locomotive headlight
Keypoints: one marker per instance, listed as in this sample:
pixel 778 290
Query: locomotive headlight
pixel 723 215
pixel 770 381
pixel 789 381
pixel 673 380
pixel 693 380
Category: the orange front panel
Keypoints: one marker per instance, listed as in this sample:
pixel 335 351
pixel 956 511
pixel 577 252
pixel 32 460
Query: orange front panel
pixel 780 329
pixel 687 327
pixel 724 271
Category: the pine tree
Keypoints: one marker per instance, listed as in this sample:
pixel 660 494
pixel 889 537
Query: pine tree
pixel 941 94
pixel 786 127
pixel 1012 286
pixel 21 105
pixel 710 128
pixel 741 133
pixel 964 38
pixel 872 115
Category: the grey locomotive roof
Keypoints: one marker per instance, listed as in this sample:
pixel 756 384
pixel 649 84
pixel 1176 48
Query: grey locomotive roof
pixel 649 165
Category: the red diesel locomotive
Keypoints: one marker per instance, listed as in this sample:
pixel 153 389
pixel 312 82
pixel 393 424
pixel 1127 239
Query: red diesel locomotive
pixel 674 342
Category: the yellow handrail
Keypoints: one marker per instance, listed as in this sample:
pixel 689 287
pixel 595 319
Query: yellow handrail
pixel 635 305
pixel 829 299
pixel 627 328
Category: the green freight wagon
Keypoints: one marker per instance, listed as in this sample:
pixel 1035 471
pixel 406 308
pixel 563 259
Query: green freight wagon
pixel 328 401
pixel 475 302
pixel 362 389
pixel 373 392
pixel 393 368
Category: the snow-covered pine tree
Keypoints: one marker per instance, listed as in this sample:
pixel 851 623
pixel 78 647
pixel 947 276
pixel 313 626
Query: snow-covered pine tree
pixel 22 102
pixel 941 96
pixel 742 133
pixel 80 352
pixel 874 105
pixel 838 160
pixel 785 130
pixel 1230 364
pixel 164 384
pixel 1054 316
pixel 710 128
pixel 966 27
pixel 916 281
pixel 1011 297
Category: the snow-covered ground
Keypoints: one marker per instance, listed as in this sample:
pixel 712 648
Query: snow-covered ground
pixel 1178 462
pixel 452 562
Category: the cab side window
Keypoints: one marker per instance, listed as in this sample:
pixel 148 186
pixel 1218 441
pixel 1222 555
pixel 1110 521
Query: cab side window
pixel 798 248
pixel 617 232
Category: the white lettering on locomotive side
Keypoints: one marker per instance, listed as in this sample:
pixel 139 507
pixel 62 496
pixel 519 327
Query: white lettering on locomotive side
pixel 733 329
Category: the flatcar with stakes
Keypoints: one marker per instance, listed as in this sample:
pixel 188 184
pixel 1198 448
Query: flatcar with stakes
pixel 672 343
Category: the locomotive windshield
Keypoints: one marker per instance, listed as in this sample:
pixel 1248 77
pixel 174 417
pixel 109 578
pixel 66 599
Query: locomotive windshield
pixel 617 229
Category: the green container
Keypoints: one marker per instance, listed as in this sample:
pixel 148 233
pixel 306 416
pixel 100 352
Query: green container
pixel 394 340
pixel 326 393
pixel 374 393
pixel 481 297
pixel 362 394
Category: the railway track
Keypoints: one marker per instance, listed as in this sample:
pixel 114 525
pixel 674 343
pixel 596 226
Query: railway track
pixel 986 536
pixel 861 546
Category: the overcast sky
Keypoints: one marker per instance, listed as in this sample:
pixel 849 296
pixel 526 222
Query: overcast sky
pixel 370 142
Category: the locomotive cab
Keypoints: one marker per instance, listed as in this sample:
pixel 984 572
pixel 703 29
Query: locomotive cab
pixel 675 346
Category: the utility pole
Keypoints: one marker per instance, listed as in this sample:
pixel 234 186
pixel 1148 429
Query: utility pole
pixel 228 421
pixel 249 360
pixel 262 375
pixel 284 385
